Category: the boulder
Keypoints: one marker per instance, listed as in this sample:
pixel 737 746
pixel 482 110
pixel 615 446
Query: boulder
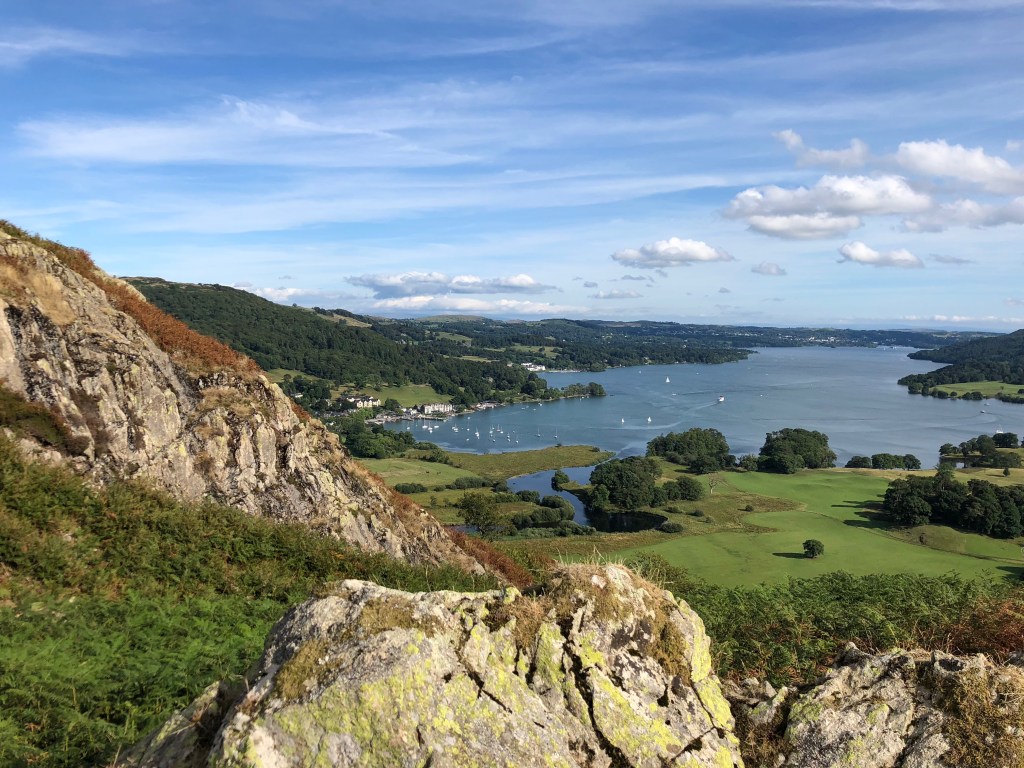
pixel 602 669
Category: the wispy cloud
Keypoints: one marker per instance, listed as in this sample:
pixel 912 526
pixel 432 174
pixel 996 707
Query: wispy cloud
pixel 425 283
pixel 20 45
pixel 601 295
pixel 466 304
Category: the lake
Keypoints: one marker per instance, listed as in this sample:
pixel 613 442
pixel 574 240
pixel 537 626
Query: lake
pixel 849 393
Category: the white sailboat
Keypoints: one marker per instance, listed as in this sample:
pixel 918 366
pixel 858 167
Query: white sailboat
pixel 721 398
pixel 667 380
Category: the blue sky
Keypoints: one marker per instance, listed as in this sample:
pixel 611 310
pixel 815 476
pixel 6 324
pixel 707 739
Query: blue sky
pixel 849 162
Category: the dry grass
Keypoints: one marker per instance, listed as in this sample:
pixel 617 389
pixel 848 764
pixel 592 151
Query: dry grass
pixel 986 729
pixel 993 626
pixel 490 558
pixel 197 353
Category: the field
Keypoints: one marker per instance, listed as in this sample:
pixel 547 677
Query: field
pixel 492 467
pixel 832 506
pixel 409 395
pixel 987 388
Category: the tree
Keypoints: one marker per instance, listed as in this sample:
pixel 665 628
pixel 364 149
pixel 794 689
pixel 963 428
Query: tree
pixel 791 449
pixel 813 548
pixel 629 482
pixel 702 450
pixel 479 512
pixel 392 406
pixel 559 480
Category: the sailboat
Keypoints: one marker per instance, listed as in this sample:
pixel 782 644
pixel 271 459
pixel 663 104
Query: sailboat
pixel 667 380
pixel 648 419
pixel 721 398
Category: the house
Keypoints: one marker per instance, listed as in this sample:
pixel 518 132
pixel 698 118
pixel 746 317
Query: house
pixel 436 408
pixel 365 401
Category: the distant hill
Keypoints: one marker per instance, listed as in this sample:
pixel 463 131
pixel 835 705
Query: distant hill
pixel 997 359
pixel 313 342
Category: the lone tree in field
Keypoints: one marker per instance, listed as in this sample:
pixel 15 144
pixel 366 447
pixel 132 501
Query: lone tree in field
pixel 813 548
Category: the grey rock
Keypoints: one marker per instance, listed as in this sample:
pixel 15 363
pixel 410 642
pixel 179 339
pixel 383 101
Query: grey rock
pixel 603 670
pixel 139 413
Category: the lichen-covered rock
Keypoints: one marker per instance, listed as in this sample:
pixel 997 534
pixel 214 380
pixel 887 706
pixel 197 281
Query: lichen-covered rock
pixel 898 710
pixel 229 435
pixel 602 670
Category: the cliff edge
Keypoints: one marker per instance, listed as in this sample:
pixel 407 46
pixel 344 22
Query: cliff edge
pixel 144 397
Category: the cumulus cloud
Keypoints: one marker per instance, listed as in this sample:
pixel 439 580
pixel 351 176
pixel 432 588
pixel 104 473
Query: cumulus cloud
pixel 938 158
pixel 466 304
pixel 942 258
pixel 1014 302
pixel 855 156
pixel 860 253
pixel 831 207
pixel 590 284
pixel 768 268
pixel 615 295
pixel 424 283
pixel 674 252
pixel 723 289
pixel 967 213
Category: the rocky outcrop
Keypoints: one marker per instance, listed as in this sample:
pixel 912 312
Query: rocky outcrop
pixel 898 710
pixel 602 670
pixel 136 412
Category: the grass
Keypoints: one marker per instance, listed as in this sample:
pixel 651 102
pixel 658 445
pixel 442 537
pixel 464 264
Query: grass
pixel 409 395
pixel 118 606
pixel 833 506
pixel 987 388
pixel 501 466
pixel 428 473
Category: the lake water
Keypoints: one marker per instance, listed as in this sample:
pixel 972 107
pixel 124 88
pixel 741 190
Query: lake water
pixel 850 394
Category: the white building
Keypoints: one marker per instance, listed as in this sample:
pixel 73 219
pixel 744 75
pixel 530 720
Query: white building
pixel 428 408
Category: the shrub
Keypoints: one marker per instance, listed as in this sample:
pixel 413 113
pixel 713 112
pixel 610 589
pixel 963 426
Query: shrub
pixel 670 527
pixel 410 488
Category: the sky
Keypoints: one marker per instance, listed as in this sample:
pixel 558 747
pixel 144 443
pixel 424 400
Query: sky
pixel 857 163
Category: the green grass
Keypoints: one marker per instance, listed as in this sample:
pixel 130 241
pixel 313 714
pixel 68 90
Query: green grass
pixel 501 466
pixel 409 395
pixel 987 388
pixel 834 507
pixel 118 606
pixel 429 473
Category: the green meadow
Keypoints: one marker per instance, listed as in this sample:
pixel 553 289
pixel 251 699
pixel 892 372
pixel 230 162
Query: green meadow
pixel 835 507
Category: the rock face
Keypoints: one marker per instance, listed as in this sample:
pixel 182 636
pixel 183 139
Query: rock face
pixel 138 413
pixel 602 670
pixel 899 710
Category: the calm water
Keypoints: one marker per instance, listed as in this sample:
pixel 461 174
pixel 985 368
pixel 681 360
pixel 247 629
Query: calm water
pixel 620 522
pixel 850 394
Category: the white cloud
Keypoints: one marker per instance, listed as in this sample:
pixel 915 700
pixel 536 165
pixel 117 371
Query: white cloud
pixel 422 283
pixel 723 289
pixel 859 253
pixel 831 207
pixel 590 284
pixel 768 268
pixel 615 295
pixel 1014 302
pixel 292 295
pixel 967 213
pixel 938 158
pixel 640 278
pixel 816 226
pixel 855 156
pixel 673 252
pixel 466 304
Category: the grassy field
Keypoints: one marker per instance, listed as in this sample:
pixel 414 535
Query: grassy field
pixel 409 395
pixel 502 466
pixel 428 473
pixel 987 388
pixel 833 506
